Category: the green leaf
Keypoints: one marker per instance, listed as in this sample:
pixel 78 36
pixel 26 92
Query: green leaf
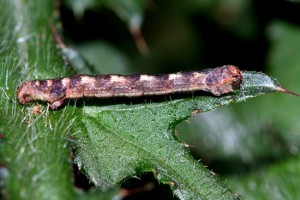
pixel 34 150
pixel 130 12
pixel 105 57
pixel 118 141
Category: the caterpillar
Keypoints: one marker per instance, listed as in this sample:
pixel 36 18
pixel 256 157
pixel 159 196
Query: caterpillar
pixel 217 81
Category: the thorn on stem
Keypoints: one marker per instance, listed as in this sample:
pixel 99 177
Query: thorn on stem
pixel 140 41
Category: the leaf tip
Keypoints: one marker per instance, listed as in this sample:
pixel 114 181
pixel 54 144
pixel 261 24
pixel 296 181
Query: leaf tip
pixel 281 89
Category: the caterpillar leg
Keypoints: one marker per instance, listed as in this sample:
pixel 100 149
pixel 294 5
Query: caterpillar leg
pixel 54 105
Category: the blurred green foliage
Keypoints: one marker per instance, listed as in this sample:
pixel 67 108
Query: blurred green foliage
pixel 254 145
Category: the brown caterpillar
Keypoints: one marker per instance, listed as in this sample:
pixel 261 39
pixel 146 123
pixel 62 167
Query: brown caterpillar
pixel 218 81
